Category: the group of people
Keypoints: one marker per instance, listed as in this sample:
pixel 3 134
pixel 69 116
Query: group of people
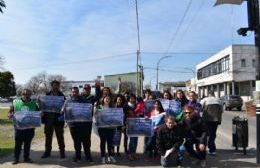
pixel 188 132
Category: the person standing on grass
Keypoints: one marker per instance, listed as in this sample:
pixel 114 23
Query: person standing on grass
pixel 53 123
pixel 79 130
pixel 212 115
pixel 106 134
pixel 23 136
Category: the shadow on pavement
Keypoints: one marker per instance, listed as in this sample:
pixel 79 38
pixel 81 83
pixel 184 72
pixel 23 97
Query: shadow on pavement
pixel 224 158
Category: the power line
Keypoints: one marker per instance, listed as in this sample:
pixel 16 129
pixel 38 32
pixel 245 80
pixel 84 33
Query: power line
pixel 178 27
pixel 80 61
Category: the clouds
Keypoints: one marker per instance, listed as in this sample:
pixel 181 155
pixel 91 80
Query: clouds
pixel 39 35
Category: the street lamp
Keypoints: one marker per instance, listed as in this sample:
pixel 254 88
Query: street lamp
pixel 157 69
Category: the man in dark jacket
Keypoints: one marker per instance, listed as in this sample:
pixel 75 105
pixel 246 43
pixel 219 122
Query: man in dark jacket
pixel 169 139
pixel 80 131
pixel 212 115
pixel 53 122
pixel 196 134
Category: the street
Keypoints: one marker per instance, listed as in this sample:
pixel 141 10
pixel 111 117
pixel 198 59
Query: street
pixel 226 155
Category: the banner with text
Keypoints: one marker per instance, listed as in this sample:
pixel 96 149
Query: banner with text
pixel 51 103
pixel 78 112
pixel 27 119
pixel 139 127
pixel 110 117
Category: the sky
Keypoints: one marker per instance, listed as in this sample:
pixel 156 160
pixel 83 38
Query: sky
pixel 82 39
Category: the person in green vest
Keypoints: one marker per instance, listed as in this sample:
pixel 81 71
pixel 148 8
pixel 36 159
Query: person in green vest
pixel 23 136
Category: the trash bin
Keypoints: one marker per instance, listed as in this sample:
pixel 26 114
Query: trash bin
pixel 240 133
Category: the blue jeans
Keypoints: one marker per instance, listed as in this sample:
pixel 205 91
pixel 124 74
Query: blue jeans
pixel 133 145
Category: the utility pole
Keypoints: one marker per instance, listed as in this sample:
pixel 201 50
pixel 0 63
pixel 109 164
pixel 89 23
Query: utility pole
pixel 138 58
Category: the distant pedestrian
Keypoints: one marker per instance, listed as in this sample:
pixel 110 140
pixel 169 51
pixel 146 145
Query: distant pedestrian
pixel 212 114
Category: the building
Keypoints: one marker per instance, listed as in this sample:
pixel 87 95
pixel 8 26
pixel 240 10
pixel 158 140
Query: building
pixel 228 72
pixel 172 86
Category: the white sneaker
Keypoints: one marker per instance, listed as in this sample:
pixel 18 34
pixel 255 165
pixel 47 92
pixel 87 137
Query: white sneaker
pixel 111 159
pixel 103 160
pixel 203 163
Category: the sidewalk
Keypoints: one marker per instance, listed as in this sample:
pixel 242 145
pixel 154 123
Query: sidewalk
pixel 226 156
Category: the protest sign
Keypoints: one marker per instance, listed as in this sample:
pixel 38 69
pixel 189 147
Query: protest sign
pixel 110 117
pixel 51 103
pixel 158 119
pixel 78 112
pixel 27 119
pixel 148 107
pixel 117 138
pixel 139 127
pixel 171 107
pixel 174 108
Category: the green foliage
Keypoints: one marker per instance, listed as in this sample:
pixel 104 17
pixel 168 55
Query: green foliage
pixel 7 84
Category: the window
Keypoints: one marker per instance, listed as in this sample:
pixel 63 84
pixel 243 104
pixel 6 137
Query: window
pixel 214 68
pixel 253 62
pixel 243 63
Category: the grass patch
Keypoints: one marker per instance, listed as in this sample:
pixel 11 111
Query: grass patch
pixel 7 134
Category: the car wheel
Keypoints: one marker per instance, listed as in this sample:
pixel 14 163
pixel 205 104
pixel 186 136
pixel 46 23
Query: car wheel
pixel 239 108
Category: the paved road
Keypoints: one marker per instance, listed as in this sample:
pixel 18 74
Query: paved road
pixel 226 157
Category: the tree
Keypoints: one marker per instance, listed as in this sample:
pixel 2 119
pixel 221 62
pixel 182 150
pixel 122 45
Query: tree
pixel 40 84
pixel 2 5
pixel 7 84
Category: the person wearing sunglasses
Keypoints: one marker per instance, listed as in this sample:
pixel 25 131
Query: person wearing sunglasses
pixel 196 135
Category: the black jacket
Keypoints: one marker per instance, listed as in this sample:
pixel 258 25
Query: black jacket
pixel 168 138
pixel 196 130
pixel 52 118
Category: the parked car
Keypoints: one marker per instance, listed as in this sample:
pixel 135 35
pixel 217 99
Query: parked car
pixel 232 101
pixel 3 100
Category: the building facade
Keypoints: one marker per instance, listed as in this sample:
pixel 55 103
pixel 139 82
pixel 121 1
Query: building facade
pixel 228 72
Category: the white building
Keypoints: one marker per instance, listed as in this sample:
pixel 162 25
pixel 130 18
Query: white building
pixel 228 72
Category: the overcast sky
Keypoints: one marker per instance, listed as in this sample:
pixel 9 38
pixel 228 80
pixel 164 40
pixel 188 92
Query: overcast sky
pixel 82 39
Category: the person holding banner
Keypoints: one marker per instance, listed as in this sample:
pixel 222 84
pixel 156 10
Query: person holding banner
pixel 79 131
pixel 120 103
pixel 53 121
pixel 169 139
pixel 133 113
pixel 23 136
pixel 180 97
pixel 151 150
pixel 106 134
pixel 194 103
pixel 167 95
